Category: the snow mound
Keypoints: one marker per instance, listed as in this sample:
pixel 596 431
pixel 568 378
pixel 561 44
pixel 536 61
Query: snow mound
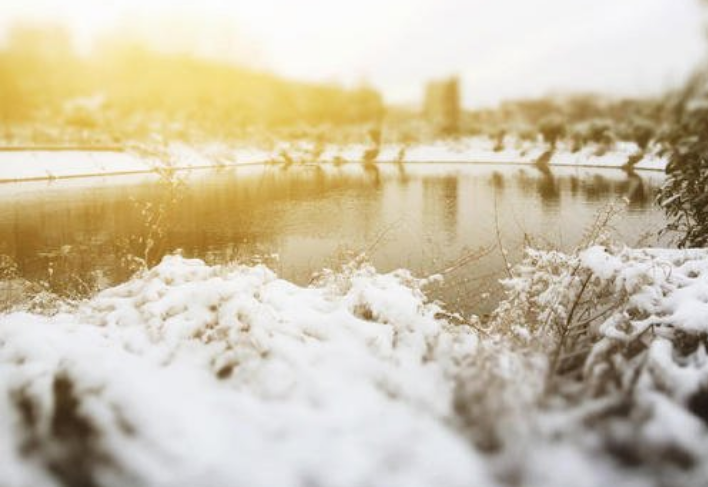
pixel 193 375
pixel 625 334
pixel 592 372
pixel 650 357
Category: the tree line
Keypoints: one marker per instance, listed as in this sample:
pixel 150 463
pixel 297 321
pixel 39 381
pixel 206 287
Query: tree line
pixel 124 90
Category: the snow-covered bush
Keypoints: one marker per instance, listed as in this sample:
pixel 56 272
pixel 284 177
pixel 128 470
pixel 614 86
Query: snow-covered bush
pixel 625 333
pixel 592 372
pixel 196 375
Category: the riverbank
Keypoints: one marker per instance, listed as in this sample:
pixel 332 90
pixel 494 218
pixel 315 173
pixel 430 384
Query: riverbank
pixel 47 163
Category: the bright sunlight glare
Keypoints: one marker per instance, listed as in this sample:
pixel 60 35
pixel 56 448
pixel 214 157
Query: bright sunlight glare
pixel 501 49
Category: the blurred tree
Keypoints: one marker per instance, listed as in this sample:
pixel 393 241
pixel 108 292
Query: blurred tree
pixel 552 128
pixel 44 84
pixel 641 131
pixel 684 195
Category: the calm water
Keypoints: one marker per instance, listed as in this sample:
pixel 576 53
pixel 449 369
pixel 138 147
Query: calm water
pixel 424 217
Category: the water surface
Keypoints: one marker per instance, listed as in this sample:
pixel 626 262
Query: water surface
pixel 424 217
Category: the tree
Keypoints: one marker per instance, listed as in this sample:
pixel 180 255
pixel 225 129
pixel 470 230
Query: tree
pixel 552 129
pixel 684 195
pixel 641 132
pixel 599 132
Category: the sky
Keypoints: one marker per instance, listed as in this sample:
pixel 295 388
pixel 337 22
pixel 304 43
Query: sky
pixel 500 49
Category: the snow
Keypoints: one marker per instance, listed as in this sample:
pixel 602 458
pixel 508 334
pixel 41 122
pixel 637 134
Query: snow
pixel 49 164
pixel 190 374
pixel 231 376
pixel 639 396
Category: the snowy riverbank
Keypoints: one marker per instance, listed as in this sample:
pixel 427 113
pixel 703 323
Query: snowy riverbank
pixel 593 372
pixel 23 165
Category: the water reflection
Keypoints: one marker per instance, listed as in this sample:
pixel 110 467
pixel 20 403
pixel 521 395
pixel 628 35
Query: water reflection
pixel 497 181
pixel 440 205
pixel 431 214
pixel 637 194
pixel 548 190
pixel 552 186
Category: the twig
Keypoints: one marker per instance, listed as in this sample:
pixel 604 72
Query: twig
pixel 564 332
pixel 507 266
pixel 465 259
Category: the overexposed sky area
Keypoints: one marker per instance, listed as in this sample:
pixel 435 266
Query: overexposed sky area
pixel 500 48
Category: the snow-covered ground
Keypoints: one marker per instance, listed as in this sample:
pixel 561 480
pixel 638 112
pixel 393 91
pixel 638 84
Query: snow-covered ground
pixel 48 164
pixel 33 165
pixel 197 375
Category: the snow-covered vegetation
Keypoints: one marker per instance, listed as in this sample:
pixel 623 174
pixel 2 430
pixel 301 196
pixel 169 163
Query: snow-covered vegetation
pixel 592 372
pixel 53 164
pixel 684 195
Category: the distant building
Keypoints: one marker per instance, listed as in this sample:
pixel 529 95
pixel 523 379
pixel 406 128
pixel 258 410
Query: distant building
pixel 442 104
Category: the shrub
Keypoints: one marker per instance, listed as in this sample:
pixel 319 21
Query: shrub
pixel 684 195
